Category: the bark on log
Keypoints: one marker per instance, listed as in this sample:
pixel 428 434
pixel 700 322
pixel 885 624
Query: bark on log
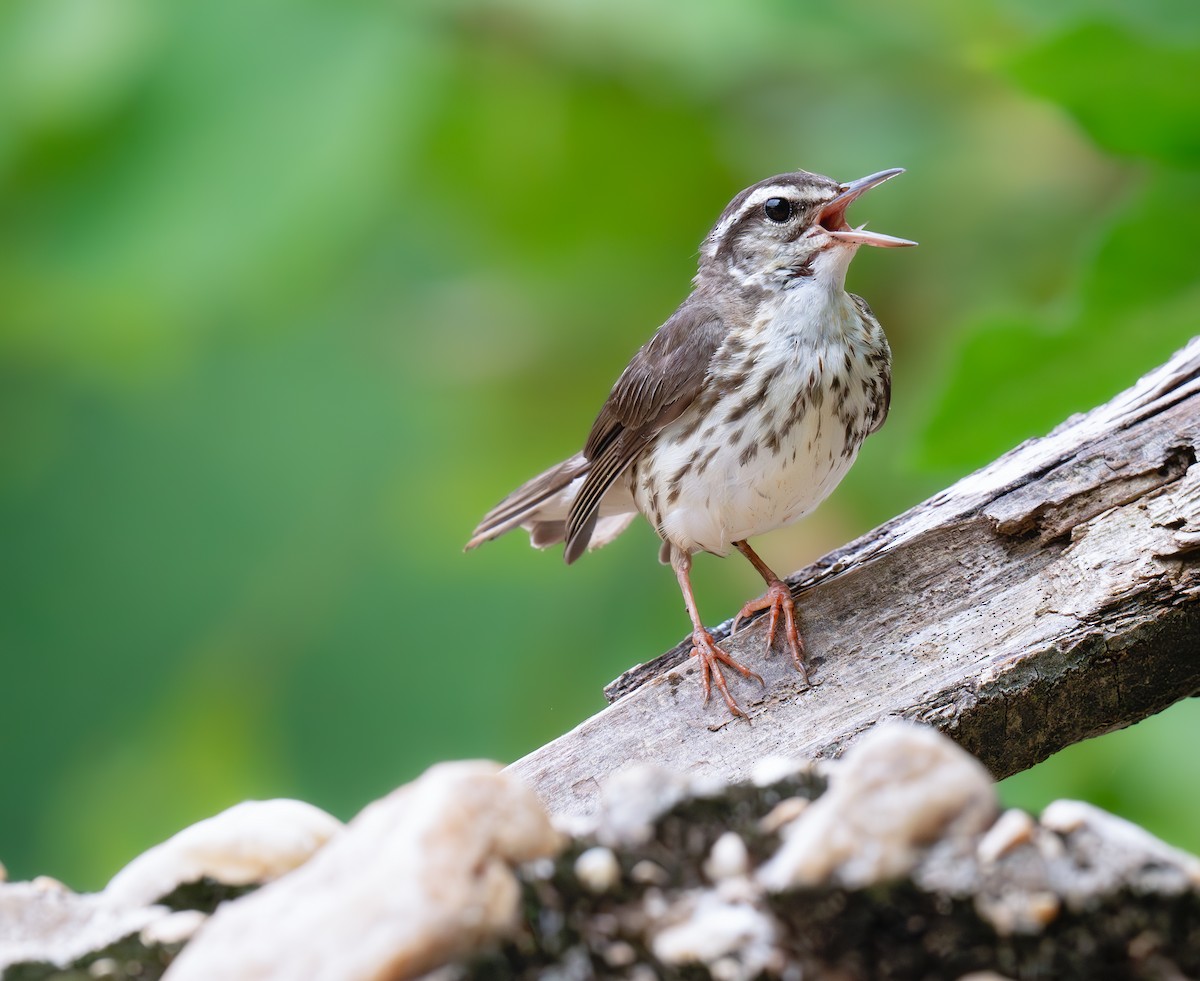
pixel 1051 596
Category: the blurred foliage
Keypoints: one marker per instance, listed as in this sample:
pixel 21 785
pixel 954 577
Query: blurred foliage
pixel 291 292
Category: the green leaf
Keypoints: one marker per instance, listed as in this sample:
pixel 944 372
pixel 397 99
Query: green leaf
pixel 1018 376
pixel 1133 96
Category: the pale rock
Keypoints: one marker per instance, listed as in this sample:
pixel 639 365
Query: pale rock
pixel 728 858
pixel 597 869
pixel 633 799
pixel 1019 911
pixel 174 928
pixel 40 923
pixel 648 873
pixel 48 884
pixel 416 879
pixel 1012 829
pixel 539 868
pixel 773 769
pixel 897 789
pixel 1129 852
pixel 619 954
pixel 655 903
pixel 783 813
pixel 706 927
pixel 251 842
pixel 574 825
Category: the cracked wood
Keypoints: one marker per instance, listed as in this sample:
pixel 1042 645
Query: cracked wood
pixel 1051 596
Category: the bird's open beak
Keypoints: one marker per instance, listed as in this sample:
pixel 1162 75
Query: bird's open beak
pixel 833 215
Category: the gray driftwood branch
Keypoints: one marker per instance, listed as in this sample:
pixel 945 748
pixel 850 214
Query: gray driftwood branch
pixel 1051 596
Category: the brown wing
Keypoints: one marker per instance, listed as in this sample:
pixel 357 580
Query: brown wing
pixel 659 383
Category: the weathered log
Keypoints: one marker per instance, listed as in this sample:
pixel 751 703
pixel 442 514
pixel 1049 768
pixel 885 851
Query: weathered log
pixel 1050 596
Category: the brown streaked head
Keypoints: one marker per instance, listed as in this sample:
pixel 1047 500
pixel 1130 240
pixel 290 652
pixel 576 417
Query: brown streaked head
pixel 771 233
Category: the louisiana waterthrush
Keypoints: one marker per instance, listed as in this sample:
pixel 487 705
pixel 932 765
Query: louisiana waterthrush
pixel 741 413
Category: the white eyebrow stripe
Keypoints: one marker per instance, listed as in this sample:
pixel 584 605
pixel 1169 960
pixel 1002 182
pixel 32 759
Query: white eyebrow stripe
pixel 760 195
pixel 804 189
pixel 801 195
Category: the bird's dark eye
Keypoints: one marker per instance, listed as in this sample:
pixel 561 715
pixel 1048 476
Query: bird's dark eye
pixel 778 210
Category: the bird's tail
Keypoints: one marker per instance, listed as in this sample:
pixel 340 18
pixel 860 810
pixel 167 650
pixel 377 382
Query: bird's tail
pixel 541 505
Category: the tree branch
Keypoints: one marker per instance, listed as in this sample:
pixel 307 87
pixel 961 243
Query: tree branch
pixel 1051 596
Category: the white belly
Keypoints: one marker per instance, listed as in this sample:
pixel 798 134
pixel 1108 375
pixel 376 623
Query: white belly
pixel 764 455
pixel 730 500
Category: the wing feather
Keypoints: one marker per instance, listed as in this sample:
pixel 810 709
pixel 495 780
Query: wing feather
pixel 657 386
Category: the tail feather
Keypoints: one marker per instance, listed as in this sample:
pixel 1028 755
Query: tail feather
pixel 541 506
pixel 523 505
pixel 543 534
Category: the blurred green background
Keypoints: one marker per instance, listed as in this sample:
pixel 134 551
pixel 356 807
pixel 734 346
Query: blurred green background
pixel 292 292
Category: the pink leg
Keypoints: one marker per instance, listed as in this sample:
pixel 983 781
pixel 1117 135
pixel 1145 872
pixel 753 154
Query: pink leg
pixel 778 599
pixel 704 648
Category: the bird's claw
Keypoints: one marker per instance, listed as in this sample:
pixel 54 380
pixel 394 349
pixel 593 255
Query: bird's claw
pixel 711 657
pixel 777 599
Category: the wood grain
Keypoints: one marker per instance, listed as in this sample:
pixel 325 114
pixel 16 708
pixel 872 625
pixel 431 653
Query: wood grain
pixel 1051 596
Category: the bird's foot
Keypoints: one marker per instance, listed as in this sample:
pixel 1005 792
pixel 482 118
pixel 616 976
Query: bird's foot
pixel 778 600
pixel 711 657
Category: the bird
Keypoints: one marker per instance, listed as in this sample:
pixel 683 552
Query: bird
pixel 742 412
